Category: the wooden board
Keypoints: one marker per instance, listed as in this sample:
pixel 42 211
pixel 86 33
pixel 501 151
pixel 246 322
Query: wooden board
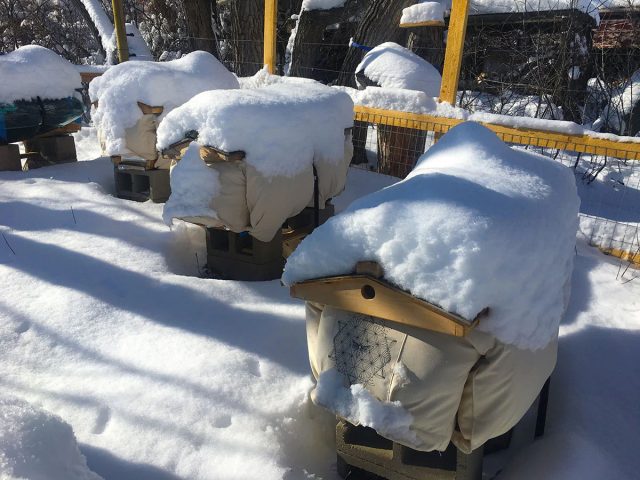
pixel 429 23
pixel 148 109
pixel 453 53
pixel 270 30
pixel 370 296
pixel 522 136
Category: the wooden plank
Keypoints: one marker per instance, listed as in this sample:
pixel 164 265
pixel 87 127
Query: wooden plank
pixel 270 24
pixel 86 77
pixel 429 23
pixel 148 109
pixel 370 296
pixel 453 52
pixel 524 136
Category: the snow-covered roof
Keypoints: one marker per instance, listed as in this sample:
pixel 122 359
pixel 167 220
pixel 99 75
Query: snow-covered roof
pixel 476 224
pixel 393 66
pixel 167 84
pixel 33 71
pixel 281 127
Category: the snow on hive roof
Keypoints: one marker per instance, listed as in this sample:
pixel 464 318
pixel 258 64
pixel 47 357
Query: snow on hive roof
pixel 167 84
pixel 476 224
pixel 392 66
pixel 521 6
pixel 281 127
pixel 33 71
pixel 322 4
pixel 423 12
pixel 37 444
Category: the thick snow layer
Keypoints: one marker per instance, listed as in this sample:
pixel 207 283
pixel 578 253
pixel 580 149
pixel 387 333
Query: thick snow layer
pixel 402 100
pixel 263 78
pixel 423 12
pixel 167 376
pixel 392 66
pixel 193 184
pixel 167 84
pixel 516 6
pixel 359 407
pixel 33 71
pixel 36 445
pixel 138 48
pixel 458 231
pixel 281 127
pixel 322 4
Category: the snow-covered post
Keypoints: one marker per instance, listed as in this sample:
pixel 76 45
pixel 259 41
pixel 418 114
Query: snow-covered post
pixel 121 33
pixel 270 25
pixel 453 53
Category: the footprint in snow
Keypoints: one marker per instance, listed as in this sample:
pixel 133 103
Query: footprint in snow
pixel 23 327
pixel 104 415
pixel 253 367
pixel 221 421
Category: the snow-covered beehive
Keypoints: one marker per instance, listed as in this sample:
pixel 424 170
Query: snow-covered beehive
pixel 123 126
pixel 476 225
pixel 284 129
pixel 33 80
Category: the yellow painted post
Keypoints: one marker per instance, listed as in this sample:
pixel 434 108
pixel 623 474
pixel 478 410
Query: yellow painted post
pixel 121 33
pixel 453 53
pixel 270 24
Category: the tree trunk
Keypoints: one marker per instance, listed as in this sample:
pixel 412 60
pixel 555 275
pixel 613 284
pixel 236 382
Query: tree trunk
pixel 380 23
pixel 246 36
pixel 428 43
pixel 309 35
pixel 92 27
pixel 198 16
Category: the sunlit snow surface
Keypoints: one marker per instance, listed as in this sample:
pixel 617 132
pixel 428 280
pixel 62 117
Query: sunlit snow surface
pixel 163 375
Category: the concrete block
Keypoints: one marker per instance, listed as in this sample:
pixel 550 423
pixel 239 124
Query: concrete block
pixel 10 157
pixel 363 453
pixel 56 149
pixel 142 185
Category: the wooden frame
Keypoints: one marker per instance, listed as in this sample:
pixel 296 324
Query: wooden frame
pixel 429 23
pixel 270 28
pixel 524 136
pixel 453 53
pixel 364 293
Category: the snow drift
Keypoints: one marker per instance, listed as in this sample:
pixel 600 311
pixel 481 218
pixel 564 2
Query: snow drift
pixel 476 224
pixel 33 71
pixel 38 445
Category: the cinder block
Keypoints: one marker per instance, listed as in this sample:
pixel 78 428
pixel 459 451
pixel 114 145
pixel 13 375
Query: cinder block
pixel 362 452
pixel 239 256
pixel 56 149
pixel 306 218
pixel 142 185
pixel 10 157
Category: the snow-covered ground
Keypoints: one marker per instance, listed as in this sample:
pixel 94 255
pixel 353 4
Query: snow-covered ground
pixel 164 375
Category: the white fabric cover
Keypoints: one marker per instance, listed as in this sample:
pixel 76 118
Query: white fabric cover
pixel 249 201
pixel 476 382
